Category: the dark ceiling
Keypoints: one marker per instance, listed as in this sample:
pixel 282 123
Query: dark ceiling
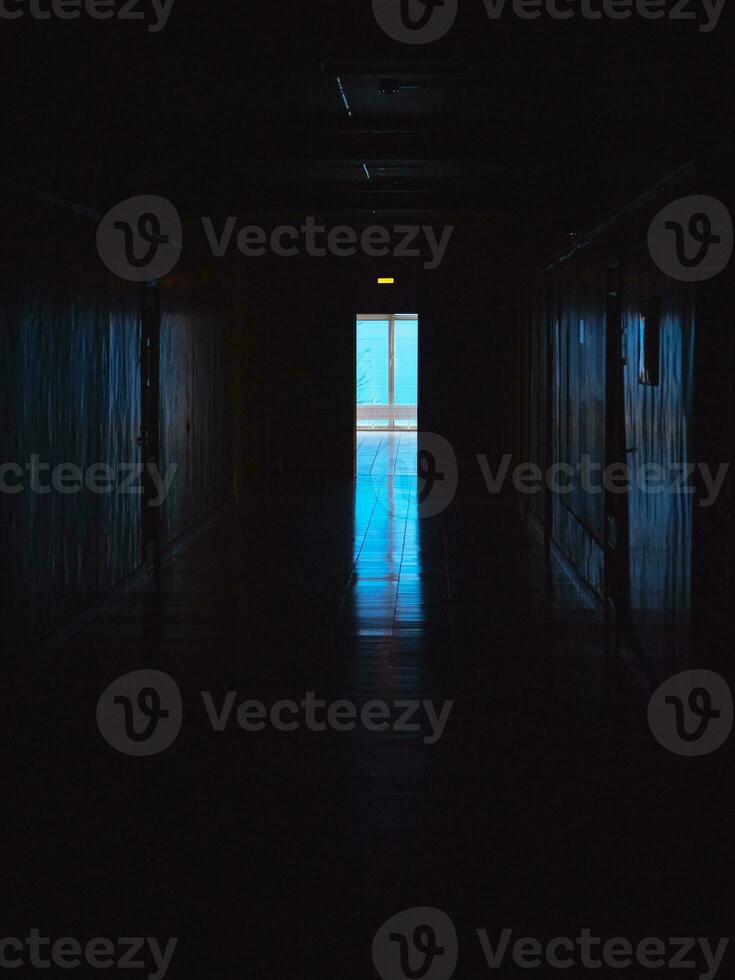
pixel 543 126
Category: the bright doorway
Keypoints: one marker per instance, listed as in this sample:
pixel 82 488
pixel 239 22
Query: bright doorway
pixel 387 362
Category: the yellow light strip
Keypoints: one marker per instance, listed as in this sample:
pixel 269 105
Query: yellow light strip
pixel 386 282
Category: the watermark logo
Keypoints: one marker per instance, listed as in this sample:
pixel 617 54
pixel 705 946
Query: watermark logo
pixel 696 480
pixel 430 476
pixel 416 944
pixel 340 241
pixel 692 713
pixel 140 238
pixel 40 952
pixel 438 474
pixel 421 944
pixel 99 478
pixel 415 21
pixel 423 21
pixel 691 239
pixel 140 713
pixel 121 10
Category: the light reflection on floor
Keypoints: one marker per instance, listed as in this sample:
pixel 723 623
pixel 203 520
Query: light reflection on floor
pixel 386 589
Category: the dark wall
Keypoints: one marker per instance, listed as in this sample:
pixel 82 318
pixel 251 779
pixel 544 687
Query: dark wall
pixel 310 370
pixel 659 429
pixel 195 421
pixel 578 409
pixel 466 382
pixel 714 436
pixel 71 391
pixel 569 338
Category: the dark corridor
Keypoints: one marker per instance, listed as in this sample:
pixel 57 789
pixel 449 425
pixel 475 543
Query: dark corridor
pixel 304 682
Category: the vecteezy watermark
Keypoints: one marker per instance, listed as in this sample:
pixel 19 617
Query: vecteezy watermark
pixel 691 239
pixel 416 943
pixel 422 943
pixel 98 478
pixel 592 952
pixel 141 239
pixel 126 953
pixel 431 477
pixel 415 21
pixel 692 713
pixel 94 9
pixel 616 478
pixel 425 21
pixel 141 714
pixel 672 10
pixel 435 478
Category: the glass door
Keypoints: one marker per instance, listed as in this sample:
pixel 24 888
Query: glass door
pixel 387 371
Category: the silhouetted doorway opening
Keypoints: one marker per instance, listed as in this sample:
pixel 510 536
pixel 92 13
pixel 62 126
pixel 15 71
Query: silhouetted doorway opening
pixel 386 375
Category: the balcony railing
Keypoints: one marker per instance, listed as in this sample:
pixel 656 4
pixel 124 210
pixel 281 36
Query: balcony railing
pixel 386 416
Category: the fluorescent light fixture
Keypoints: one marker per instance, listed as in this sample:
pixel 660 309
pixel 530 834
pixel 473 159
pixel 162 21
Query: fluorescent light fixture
pixel 343 94
pixel 386 281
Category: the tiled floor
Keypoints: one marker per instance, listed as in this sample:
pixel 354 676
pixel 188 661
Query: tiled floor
pixel 545 806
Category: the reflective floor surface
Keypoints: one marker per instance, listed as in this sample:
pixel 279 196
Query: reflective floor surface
pixel 543 805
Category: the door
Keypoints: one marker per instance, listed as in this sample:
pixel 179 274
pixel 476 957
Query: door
pixel 386 376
